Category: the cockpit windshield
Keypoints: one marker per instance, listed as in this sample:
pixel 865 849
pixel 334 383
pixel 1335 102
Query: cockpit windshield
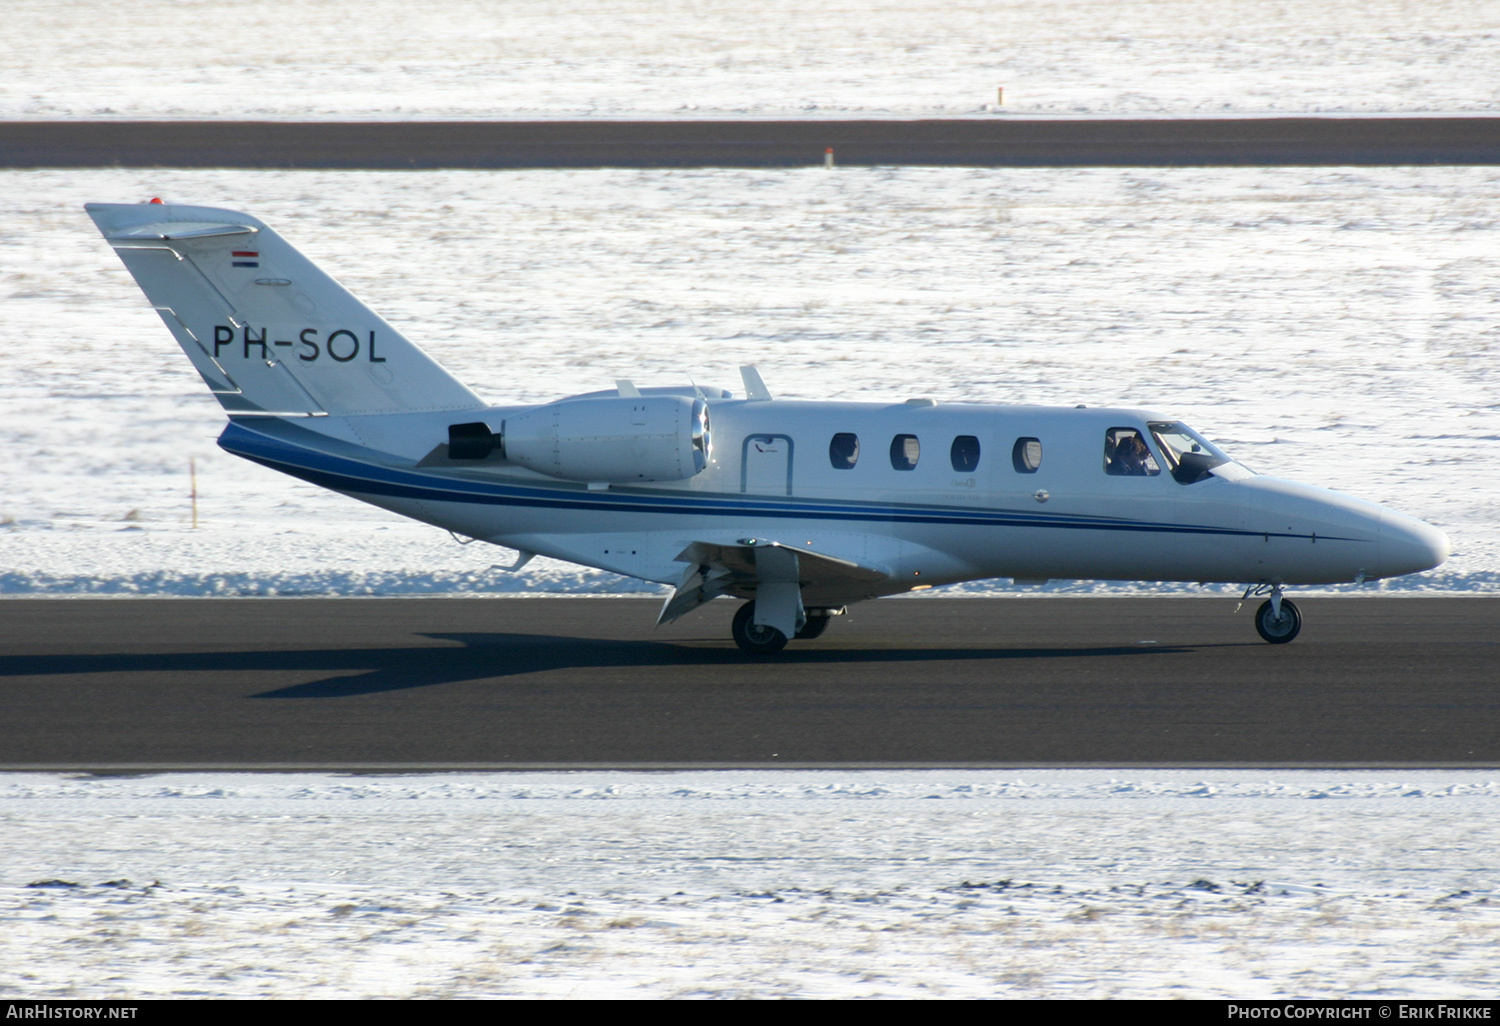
pixel 1189 455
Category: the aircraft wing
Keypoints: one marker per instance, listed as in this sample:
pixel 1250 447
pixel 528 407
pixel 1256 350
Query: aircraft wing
pixel 716 569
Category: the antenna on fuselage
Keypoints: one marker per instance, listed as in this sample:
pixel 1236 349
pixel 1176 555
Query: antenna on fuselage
pixel 754 387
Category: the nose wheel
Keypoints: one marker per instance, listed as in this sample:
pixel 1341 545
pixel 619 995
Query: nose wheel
pixel 1278 620
pixel 1278 626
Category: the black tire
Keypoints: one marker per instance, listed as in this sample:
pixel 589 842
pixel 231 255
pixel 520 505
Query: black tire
pixel 1278 631
pixel 816 624
pixel 755 640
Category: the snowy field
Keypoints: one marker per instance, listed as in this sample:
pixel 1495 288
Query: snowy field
pixel 1328 325
pixel 1054 883
pixel 716 58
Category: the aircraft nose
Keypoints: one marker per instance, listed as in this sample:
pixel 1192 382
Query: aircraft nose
pixel 1410 546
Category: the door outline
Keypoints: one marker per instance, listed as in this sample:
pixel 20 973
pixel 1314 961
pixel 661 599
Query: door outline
pixel 745 458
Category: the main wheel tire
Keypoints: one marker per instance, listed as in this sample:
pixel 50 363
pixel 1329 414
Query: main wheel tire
pixel 1278 630
pixel 752 639
pixel 814 627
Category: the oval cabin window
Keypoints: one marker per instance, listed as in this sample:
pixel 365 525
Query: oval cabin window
pixel 1027 455
pixel 965 454
pixel 843 451
pixel 905 451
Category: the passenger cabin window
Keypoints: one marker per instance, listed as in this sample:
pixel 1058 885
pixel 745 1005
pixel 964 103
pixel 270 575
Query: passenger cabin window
pixel 1189 455
pixel 843 451
pixel 905 450
pixel 1026 455
pixel 1127 455
pixel 965 454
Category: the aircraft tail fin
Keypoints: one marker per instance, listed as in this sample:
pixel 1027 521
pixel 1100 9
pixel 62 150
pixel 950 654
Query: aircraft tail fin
pixel 268 331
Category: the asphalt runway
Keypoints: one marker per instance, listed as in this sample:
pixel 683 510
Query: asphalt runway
pixel 996 141
pixel 406 684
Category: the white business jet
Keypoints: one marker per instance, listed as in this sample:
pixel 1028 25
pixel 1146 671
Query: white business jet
pixel 799 508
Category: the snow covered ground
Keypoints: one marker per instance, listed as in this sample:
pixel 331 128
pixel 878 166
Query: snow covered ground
pixel 717 58
pixel 1045 883
pixel 1329 325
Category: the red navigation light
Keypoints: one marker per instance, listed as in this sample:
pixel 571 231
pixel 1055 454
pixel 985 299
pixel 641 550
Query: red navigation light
pixel 155 199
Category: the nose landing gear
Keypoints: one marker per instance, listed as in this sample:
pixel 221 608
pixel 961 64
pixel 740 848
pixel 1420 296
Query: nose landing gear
pixel 1278 626
pixel 1278 620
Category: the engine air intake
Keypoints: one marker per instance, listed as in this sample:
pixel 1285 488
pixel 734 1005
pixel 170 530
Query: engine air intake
pixel 470 441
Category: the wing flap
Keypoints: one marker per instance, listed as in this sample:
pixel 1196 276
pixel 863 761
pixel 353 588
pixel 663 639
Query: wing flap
pixel 716 569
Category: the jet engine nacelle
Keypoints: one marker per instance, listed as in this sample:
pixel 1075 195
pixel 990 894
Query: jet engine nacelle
pixel 618 439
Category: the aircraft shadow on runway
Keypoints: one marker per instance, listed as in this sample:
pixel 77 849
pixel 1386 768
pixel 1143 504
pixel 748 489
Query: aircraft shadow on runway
pixel 494 656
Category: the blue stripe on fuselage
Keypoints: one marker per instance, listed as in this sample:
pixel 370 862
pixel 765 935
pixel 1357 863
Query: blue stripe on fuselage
pixel 342 474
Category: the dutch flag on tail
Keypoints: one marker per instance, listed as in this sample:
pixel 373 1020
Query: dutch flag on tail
pixel 245 258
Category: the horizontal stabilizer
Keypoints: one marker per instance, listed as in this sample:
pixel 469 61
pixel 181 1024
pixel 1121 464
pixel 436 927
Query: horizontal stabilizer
pixel 168 230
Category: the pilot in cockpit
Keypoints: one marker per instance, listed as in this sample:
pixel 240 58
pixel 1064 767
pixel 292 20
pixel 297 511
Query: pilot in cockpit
pixel 1130 457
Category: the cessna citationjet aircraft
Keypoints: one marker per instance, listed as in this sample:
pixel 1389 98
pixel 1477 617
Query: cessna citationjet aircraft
pixel 799 508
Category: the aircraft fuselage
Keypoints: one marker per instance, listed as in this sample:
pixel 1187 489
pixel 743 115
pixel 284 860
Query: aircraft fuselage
pixel 936 494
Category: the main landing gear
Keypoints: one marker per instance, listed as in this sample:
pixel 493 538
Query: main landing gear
pixel 763 639
pixel 1278 620
pixel 753 638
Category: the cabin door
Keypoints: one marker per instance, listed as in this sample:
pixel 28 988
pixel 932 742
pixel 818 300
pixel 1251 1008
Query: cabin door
pixel 766 465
